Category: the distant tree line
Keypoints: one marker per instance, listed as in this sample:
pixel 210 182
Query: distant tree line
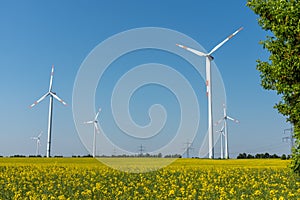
pixel 147 155
pixel 261 156
pixel 138 155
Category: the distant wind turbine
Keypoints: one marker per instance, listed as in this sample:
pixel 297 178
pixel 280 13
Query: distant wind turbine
pixel 38 143
pixel 224 119
pixel 51 94
pixel 221 131
pixel 96 130
pixel 209 58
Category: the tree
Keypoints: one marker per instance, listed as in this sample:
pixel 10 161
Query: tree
pixel 242 156
pixel 249 156
pixel 267 155
pixel 282 72
pixel 259 155
pixel 283 157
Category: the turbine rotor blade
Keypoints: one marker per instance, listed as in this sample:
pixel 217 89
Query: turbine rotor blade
pixel 224 41
pixel 41 99
pixel 97 114
pixel 96 127
pixel 199 53
pixel 88 122
pixel 222 129
pixel 59 99
pixel 218 122
pixel 235 120
pixel 40 134
pixel 51 78
pixel 222 132
pixel 224 110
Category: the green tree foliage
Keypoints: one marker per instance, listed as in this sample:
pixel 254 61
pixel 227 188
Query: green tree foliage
pixel 282 72
pixel 259 156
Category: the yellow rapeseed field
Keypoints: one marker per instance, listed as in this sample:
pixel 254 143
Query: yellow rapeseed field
pixel 86 178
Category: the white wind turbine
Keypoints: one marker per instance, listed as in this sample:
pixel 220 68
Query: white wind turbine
pixel 38 143
pixel 224 119
pixel 221 131
pixel 51 94
pixel 209 58
pixel 96 130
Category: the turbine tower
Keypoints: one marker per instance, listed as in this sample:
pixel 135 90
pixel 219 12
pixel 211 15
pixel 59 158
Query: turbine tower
pixel 51 94
pixel 96 130
pixel 209 58
pixel 38 143
pixel 224 119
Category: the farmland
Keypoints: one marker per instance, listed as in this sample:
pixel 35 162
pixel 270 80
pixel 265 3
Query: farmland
pixel 87 178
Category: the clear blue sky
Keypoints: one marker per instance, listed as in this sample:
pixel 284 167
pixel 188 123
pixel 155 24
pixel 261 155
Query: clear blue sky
pixel 34 35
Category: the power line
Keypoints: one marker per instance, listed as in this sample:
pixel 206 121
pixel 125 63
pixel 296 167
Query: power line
pixel 114 151
pixel 141 149
pixel 290 138
pixel 188 148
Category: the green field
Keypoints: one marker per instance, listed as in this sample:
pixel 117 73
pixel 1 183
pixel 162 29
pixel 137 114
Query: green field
pixel 87 178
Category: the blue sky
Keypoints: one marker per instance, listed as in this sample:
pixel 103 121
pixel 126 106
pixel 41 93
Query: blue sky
pixel 34 35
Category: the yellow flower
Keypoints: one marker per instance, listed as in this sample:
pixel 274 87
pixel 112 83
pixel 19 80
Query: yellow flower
pixel 171 192
pixel 257 192
pixel 232 191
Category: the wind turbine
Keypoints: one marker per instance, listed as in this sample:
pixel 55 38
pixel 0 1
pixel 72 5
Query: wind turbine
pixel 38 142
pixel 224 119
pixel 51 94
pixel 209 58
pixel 221 131
pixel 96 130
